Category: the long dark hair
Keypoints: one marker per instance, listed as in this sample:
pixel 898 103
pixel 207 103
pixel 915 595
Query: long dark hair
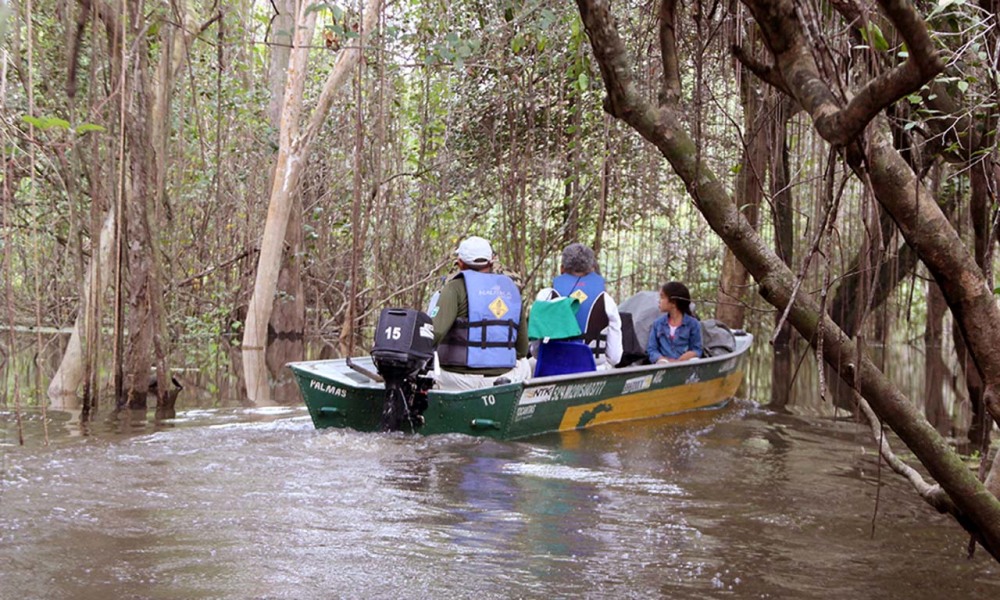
pixel 678 293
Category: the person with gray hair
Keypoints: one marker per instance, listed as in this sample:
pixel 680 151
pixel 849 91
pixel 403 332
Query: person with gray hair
pixel 598 315
pixel 577 258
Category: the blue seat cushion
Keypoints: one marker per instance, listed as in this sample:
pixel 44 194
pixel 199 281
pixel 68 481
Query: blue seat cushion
pixel 560 357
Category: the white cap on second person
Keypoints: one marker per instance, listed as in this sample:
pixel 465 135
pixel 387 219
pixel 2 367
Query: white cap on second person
pixel 475 250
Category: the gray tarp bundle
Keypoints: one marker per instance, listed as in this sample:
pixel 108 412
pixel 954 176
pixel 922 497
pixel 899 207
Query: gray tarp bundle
pixel 638 314
pixel 644 308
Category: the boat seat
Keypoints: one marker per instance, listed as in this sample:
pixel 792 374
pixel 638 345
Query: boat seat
pixel 560 357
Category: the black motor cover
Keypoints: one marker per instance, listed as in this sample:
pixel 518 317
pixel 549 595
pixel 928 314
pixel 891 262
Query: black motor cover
pixel 404 340
pixel 404 343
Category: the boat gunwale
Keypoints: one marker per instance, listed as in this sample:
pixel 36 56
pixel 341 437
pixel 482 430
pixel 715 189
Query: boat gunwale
pixel 741 348
pixel 695 362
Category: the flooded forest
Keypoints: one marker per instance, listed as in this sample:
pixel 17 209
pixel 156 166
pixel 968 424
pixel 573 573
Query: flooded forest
pixel 197 192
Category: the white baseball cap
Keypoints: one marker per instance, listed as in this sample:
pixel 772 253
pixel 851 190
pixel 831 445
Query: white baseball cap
pixel 474 250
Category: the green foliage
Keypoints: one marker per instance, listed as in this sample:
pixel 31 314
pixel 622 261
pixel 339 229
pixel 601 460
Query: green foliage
pixel 873 36
pixel 46 123
pixel 88 127
pixel 4 20
pixel 944 7
pixel 453 50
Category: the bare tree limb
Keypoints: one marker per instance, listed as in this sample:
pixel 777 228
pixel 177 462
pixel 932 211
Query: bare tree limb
pixel 671 89
pixel 793 57
pixel 767 73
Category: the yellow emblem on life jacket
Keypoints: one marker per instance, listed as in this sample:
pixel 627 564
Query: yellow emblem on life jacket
pixel 498 307
pixel 579 295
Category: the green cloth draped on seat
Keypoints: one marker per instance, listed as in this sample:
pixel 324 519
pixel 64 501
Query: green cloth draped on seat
pixel 554 319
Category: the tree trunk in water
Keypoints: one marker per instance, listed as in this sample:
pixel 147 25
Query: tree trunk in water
pixel 285 342
pixel 70 374
pixel 147 136
pixel 784 235
pixel 140 255
pixel 731 299
pixel 293 151
pixel 175 45
pixel 287 172
pixel 979 211
pixel 934 367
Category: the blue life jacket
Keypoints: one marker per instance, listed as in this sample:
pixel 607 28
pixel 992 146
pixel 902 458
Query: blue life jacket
pixel 591 316
pixel 487 338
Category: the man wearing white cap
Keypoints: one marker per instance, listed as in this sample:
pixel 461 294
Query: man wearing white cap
pixel 479 323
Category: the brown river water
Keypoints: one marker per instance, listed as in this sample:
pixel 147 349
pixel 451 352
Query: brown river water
pixel 255 503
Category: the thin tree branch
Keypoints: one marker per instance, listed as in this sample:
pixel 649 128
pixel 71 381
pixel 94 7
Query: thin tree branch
pixel 767 73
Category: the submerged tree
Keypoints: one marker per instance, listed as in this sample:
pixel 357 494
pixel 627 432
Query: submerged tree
pixel 293 151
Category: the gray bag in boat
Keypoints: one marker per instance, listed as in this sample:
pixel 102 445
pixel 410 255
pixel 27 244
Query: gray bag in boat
pixel 716 338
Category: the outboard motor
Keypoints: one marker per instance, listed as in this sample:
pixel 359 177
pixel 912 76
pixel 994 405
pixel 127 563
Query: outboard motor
pixel 404 344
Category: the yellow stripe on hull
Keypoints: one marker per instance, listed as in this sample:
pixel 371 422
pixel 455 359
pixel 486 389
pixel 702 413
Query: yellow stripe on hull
pixel 654 403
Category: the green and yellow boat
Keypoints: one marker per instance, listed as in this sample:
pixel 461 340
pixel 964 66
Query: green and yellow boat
pixel 351 393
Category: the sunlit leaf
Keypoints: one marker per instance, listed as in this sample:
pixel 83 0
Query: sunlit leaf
pixel 877 39
pixel 88 127
pixel 45 123
pixel 517 44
